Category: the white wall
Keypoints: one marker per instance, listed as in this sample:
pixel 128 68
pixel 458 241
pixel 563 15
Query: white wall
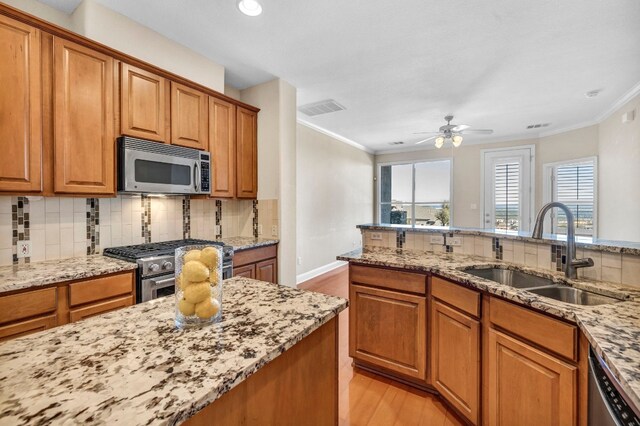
pixel 103 25
pixel 619 173
pixel 335 193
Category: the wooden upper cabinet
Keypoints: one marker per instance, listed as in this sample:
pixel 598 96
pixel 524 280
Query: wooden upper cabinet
pixel 84 141
pixel 20 107
pixel 528 386
pixel 189 117
pixel 144 104
pixel 222 143
pixel 247 153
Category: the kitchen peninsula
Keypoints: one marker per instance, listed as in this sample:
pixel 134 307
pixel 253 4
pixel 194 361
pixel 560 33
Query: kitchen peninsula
pixel 273 356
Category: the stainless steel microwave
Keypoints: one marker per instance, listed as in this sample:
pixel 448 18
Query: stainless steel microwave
pixel 158 168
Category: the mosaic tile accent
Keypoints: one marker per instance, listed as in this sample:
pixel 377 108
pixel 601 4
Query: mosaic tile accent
pixel 497 248
pixel 219 218
pixel 146 218
pixel 558 256
pixel 186 217
pixel 93 226
pixel 401 238
pixel 255 218
pixel 20 227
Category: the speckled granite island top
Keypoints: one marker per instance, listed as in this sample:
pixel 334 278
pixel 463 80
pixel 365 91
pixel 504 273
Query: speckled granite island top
pixel 613 330
pixel 49 272
pixel 134 367
pixel 247 243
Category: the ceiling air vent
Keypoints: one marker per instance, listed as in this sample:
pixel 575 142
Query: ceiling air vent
pixel 321 107
pixel 537 126
pixel 396 143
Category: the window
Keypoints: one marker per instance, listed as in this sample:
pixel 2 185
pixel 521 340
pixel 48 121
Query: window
pixel 416 194
pixel 573 184
pixel 507 195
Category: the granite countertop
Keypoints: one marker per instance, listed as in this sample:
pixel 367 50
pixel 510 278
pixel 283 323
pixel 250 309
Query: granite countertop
pixel 133 366
pixel 613 329
pixel 39 274
pixel 247 243
pixel 588 243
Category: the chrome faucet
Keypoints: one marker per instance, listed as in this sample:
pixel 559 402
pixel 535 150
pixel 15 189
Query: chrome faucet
pixel 572 264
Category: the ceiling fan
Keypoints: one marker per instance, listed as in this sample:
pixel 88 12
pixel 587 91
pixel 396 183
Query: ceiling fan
pixel 453 132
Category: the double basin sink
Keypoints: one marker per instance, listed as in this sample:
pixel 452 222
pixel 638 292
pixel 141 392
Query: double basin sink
pixel 541 286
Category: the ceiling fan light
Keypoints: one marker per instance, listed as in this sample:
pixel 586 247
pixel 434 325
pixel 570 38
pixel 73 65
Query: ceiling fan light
pixel 439 142
pixel 457 140
pixel 250 7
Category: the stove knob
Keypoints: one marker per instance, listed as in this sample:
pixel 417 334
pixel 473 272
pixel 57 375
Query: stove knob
pixel 154 267
pixel 167 265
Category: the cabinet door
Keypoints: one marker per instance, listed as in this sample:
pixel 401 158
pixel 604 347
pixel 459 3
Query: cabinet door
pixel 388 329
pixel 25 327
pixel 143 104
pixel 99 308
pixel 247 271
pixel 189 117
pixel 267 271
pixel 20 107
pixel 455 358
pixel 222 143
pixel 84 143
pixel 527 386
pixel 247 153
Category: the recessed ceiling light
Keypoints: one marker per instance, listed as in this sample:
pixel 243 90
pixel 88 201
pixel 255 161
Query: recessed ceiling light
pixel 250 7
pixel 592 93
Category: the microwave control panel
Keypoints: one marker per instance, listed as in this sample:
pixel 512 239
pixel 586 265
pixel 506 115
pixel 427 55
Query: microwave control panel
pixel 206 173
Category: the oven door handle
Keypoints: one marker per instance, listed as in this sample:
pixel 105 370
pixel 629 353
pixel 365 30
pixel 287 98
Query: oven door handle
pixel 196 177
pixel 163 283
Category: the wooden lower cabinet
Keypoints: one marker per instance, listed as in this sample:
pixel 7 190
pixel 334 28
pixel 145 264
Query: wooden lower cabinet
pixel 260 263
pixel 247 271
pixel 527 386
pixel 388 329
pixel 99 308
pixel 22 328
pixel 267 271
pixel 455 358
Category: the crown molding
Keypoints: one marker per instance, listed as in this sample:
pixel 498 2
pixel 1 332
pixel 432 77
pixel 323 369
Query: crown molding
pixel 635 90
pixel 335 136
pixel 568 128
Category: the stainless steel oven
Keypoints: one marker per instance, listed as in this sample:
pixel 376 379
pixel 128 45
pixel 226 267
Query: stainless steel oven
pixel 153 167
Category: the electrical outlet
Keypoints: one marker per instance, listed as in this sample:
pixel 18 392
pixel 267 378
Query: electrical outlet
pixel 217 229
pixel 299 260
pixel 274 230
pixel 259 229
pixel 24 249
pixel 437 239
pixel 376 235
pixel 455 241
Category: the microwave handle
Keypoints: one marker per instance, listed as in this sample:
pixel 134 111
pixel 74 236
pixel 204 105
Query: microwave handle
pixel 196 177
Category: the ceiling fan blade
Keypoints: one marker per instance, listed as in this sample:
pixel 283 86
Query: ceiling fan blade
pixel 478 132
pixel 425 133
pixel 426 140
pixel 460 127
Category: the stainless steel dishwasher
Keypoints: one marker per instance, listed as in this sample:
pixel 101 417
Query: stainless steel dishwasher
pixel 608 405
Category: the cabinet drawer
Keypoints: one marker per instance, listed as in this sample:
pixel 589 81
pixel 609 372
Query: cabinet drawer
pixel 99 308
pixel 100 288
pixel 553 335
pixel 390 279
pixel 255 255
pixel 460 297
pixel 27 304
pixel 25 327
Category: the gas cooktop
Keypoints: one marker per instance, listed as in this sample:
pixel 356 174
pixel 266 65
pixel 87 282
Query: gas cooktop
pixel 142 251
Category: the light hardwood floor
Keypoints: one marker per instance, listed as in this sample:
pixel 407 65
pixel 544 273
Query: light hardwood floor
pixel 368 399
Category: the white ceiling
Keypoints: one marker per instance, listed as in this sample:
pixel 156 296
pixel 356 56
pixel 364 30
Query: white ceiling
pixel 399 66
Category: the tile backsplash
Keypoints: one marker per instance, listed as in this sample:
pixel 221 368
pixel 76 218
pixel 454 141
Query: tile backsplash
pixel 613 267
pixel 59 227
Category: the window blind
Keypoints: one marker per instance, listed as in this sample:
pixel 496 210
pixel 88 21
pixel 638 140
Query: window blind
pixel 507 195
pixel 574 186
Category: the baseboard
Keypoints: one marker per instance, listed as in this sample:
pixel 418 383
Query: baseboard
pixel 319 271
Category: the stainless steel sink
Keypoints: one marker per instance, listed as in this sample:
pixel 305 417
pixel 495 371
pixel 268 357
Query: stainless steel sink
pixel 573 295
pixel 511 278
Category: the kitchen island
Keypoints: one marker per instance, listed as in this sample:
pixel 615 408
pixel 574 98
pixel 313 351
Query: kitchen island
pixel 273 356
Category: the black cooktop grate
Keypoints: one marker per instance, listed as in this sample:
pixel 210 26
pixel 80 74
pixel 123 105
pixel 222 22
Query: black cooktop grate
pixel 163 248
